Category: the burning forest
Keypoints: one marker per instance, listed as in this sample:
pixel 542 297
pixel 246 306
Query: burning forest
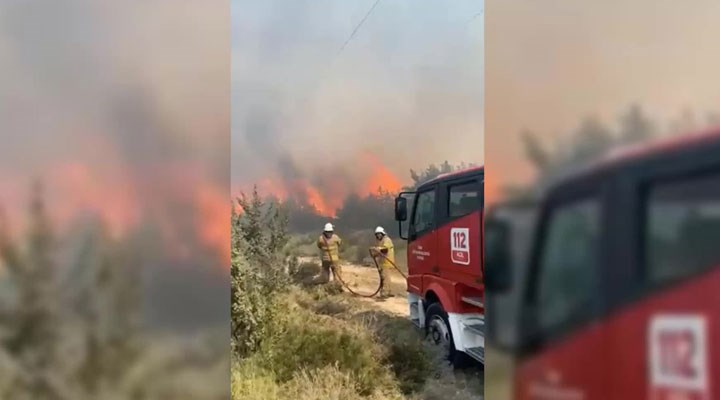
pixel 351 199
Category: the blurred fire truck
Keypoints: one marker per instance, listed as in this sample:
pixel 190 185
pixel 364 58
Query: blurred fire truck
pixel 620 296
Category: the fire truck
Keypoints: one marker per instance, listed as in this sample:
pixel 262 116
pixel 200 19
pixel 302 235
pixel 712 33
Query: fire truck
pixel 621 291
pixel 442 223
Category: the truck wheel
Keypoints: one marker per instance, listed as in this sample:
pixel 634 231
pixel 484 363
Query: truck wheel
pixel 437 328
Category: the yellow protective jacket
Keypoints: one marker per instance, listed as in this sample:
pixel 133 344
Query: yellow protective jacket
pixel 332 245
pixel 385 244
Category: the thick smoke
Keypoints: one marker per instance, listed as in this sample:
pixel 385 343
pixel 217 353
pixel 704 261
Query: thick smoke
pixel 550 64
pixel 406 91
pixel 126 119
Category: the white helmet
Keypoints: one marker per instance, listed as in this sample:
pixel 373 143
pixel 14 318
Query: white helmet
pixel 380 229
pixel 328 227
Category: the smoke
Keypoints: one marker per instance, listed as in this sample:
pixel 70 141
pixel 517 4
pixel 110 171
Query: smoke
pixel 122 110
pixel 405 92
pixel 553 63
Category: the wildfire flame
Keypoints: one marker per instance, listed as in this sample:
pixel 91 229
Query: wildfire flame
pixel 380 177
pixel 372 175
pixel 214 220
pixel 199 219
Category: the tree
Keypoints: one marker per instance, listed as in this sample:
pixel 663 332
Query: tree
pixel 538 156
pixel 99 310
pixel 33 340
pixel 635 126
pixel 108 306
pixel 591 140
pixel 258 270
pixel 433 171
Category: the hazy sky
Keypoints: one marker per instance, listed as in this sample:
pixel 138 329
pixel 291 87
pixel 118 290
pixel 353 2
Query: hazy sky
pixel 552 62
pixel 408 87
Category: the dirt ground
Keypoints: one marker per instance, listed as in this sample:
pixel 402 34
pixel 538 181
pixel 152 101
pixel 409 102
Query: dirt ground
pixel 449 384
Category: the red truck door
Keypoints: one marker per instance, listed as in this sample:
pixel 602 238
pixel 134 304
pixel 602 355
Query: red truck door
pixel 459 241
pixel 563 343
pixel 664 340
pixel 623 299
pixel 422 238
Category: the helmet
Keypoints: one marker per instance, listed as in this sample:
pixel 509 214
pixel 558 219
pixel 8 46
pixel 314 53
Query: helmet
pixel 380 229
pixel 328 227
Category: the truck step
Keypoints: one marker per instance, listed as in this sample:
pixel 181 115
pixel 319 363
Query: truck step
pixel 478 329
pixel 475 301
pixel 416 322
pixel 477 353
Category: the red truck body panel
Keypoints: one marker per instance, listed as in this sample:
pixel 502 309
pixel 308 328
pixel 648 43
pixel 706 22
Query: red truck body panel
pixel 612 360
pixel 447 261
pixel 652 340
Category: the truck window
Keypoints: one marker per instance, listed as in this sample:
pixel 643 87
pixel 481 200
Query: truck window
pixel 568 279
pixel 682 229
pixel 424 213
pixel 463 199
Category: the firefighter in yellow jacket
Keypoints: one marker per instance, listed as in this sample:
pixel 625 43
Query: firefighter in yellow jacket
pixel 329 244
pixel 384 253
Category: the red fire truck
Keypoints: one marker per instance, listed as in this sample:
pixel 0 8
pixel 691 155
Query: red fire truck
pixel 442 222
pixel 621 296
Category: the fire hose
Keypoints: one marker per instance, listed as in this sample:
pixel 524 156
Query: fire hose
pixel 377 267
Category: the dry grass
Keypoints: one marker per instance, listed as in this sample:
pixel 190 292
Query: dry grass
pixel 328 345
pixel 325 344
pixel 499 376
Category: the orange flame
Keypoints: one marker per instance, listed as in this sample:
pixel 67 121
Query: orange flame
pixel 380 177
pixel 327 198
pixel 214 229
pixel 74 187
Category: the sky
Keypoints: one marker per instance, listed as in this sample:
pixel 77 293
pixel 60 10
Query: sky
pixel 408 88
pixel 552 62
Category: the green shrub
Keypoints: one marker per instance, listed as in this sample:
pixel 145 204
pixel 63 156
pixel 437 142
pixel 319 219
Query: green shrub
pixel 303 340
pixel 250 382
pixel 405 351
pixel 253 308
pixel 259 271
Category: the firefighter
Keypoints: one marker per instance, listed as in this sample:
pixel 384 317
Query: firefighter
pixel 384 253
pixel 329 244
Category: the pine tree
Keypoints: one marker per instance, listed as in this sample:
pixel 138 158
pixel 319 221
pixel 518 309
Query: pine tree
pixel 34 338
pixel 258 270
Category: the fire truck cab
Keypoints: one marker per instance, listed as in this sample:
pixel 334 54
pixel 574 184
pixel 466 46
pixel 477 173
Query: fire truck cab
pixel 442 223
pixel 621 296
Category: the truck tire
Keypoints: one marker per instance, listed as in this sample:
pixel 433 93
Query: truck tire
pixel 437 329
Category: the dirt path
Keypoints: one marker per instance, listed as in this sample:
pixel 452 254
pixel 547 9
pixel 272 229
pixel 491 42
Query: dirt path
pixel 365 280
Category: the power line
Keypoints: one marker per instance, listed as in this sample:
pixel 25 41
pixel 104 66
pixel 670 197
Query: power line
pixel 352 35
pixel 475 16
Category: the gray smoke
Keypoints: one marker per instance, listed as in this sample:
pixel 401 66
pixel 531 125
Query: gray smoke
pixel 137 94
pixel 408 88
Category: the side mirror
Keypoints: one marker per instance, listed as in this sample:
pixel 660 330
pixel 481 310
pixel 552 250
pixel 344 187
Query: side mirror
pixel 400 209
pixel 498 259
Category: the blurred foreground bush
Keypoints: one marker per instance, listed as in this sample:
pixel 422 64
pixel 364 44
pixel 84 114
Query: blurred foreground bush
pixel 70 323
